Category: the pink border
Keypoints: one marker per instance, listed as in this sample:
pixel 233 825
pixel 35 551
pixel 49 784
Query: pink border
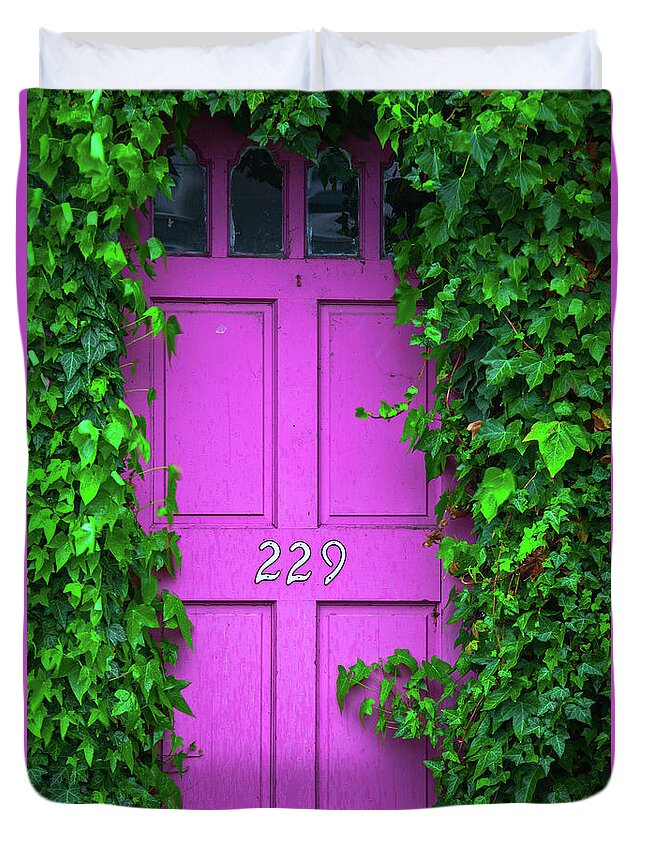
pixel 614 290
pixel 21 294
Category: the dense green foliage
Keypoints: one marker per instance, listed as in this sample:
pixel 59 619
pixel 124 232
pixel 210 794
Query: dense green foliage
pixel 512 258
pixel 99 694
pixel 99 699
pixel 510 297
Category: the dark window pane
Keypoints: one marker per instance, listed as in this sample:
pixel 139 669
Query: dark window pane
pixel 401 203
pixel 332 206
pixel 256 205
pixel 180 222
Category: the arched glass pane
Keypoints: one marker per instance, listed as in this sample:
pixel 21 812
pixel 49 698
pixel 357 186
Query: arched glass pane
pixel 180 222
pixel 401 203
pixel 332 206
pixel 256 205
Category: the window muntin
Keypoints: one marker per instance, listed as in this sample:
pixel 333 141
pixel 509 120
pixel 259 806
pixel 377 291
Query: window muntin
pixel 180 221
pixel 332 206
pixel 256 205
pixel 401 203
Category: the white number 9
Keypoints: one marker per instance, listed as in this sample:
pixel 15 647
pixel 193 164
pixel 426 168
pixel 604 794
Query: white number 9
pixel 341 562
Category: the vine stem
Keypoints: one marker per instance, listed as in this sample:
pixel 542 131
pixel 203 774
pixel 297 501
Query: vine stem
pixel 156 468
pixel 471 718
pixel 528 346
pixel 451 378
pixel 389 417
pixel 140 338
pixel 499 554
pixel 529 481
pixel 150 503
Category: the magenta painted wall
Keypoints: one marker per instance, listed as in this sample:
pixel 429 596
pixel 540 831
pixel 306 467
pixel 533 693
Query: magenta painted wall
pixel 257 409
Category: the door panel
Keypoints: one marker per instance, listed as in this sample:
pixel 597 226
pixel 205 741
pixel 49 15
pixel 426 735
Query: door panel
pixel 231 693
pixel 357 769
pixel 218 395
pixel 366 474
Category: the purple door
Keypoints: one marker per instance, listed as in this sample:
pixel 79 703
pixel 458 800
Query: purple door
pixel 302 526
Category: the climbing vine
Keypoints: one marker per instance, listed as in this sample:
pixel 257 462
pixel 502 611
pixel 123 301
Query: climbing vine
pixel 100 637
pixel 505 279
pixel 512 302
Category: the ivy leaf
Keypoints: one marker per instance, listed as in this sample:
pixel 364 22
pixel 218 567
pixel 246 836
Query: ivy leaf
pixel 525 175
pixel 62 218
pixel 170 333
pixel 85 438
pixel 536 367
pixel 34 204
pixel 359 672
pixel 496 487
pixel 521 715
pixel 367 706
pixel 598 226
pixel 401 657
pixel 114 433
pixel 156 248
pixel 91 155
pixel 499 435
pixel 406 297
pixel 254 99
pixel 482 147
pixel 115 634
pixel 85 537
pixel 454 195
pixel 90 482
pixel 126 702
pixel 557 441
pixel 80 680
pixel 174 616
pixel 437 669
pixel 342 686
pixel 434 224
pixel 170 509
pixel 558 742
pixel 501 368
pixel 137 617
pixel 551 209
pixel 463 325
pixel 71 361
pixel 529 777
pixel 387 686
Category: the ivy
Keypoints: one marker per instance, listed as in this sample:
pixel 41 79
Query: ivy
pixel 100 637
pixel 504 280
pixel 99 694
pixel 511 253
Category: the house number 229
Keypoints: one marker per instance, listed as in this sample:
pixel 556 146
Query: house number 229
pixel 294 576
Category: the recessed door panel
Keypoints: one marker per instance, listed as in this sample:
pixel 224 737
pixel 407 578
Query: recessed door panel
pixel 366 474
pixel 357 769
pixel 230 671
pixel 218 400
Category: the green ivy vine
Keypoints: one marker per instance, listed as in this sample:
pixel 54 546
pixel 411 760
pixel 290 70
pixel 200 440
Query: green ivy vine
pixel 512 259
pixel 505 278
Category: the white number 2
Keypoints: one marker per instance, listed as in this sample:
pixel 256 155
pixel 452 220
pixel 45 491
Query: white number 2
pixel 293 576
pixel 260 575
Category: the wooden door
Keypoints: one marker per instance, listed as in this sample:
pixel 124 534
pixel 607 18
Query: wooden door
pixel 258 411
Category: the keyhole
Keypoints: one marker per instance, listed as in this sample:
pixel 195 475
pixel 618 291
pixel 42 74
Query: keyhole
pixel 298 281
